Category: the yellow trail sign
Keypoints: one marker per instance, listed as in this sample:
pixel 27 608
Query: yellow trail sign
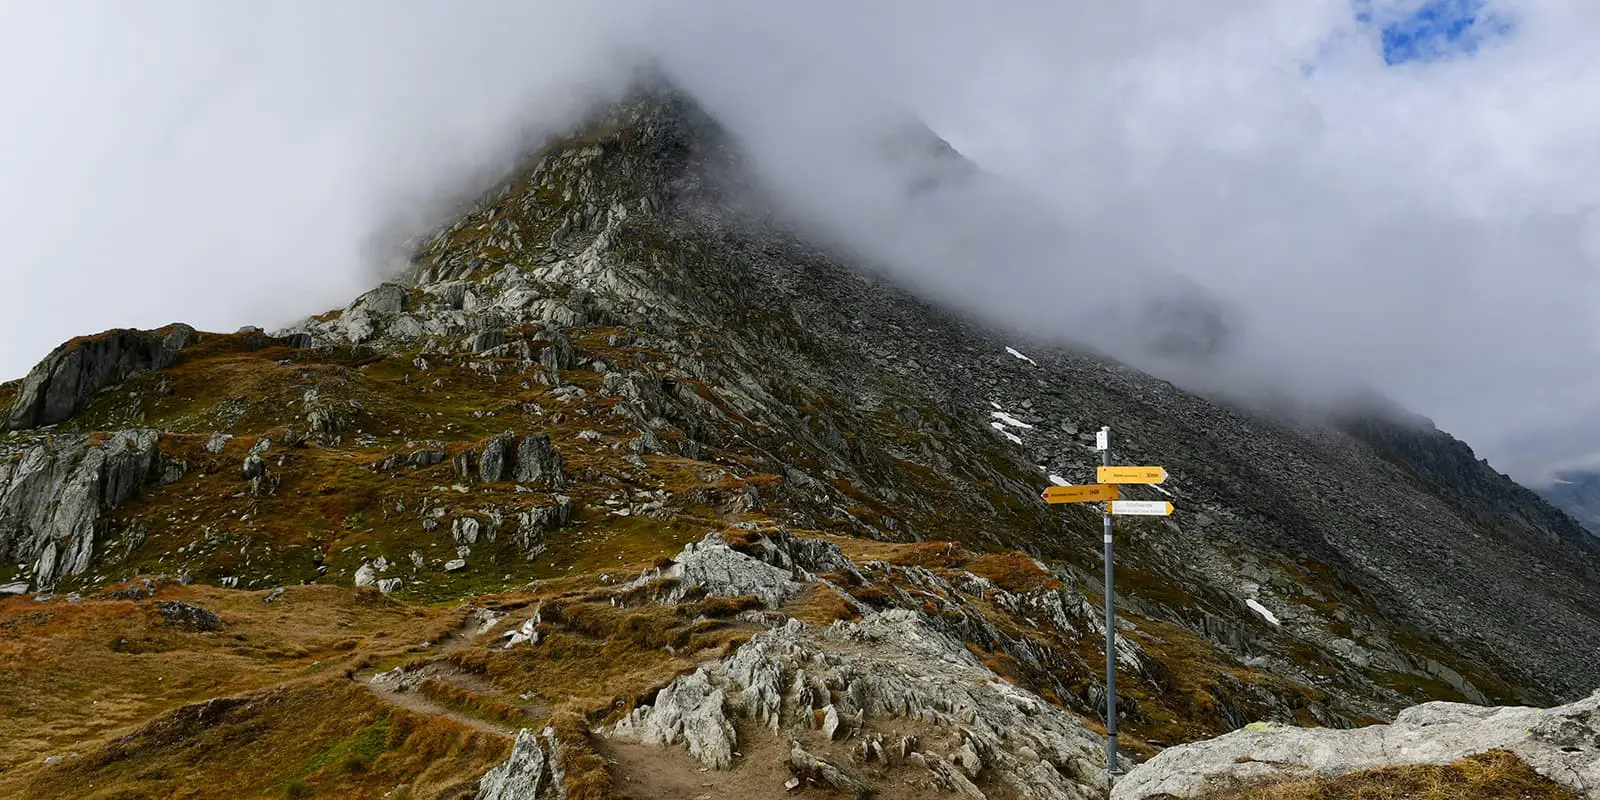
pixel 1131 474
pixel 1092 493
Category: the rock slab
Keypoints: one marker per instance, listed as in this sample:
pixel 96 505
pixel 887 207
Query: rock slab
pixel 52 496
pixel 1560 743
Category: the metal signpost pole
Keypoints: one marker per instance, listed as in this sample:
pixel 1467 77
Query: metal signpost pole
pixel 1104 445
pixel 1104 489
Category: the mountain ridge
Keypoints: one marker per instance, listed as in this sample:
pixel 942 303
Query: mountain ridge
pixel 623 348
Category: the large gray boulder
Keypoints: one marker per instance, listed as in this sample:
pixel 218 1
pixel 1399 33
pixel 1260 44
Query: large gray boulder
pixel 62 384
pixel 1561 743
pixel 52 496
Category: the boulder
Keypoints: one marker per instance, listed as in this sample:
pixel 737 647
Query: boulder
pixel 189 617
pixel 465 530
pixel 539 463
pixel 809 769
pixel 533 523
pixel 62 384
pixel 533 772
pixel 691 711
pixel 1561 743
pixel 371 313
pixel 495 464
pixel 713 567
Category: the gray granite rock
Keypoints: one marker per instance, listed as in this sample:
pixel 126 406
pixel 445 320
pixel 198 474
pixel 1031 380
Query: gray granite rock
pixel 890 668
pixel 713 567
pixel 533 772
pixel 52 496
pixel 1562 743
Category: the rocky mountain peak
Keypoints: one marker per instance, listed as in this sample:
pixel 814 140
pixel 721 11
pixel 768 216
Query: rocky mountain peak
pixel 628 460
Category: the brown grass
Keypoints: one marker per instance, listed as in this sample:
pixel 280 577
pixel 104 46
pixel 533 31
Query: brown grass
pixel 1496 774
pixel 74 673
pixel 820 605
pixel 321 738
pixel 470 703
pixel 598 659
pixel 586 774
pixel 8 395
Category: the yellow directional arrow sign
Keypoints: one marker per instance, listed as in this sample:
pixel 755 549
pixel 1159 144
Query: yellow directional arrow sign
pixel 1131 474
pixel 1092 493
pixel 1141 508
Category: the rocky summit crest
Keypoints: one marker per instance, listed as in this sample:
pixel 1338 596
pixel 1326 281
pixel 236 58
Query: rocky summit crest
pixel 628 476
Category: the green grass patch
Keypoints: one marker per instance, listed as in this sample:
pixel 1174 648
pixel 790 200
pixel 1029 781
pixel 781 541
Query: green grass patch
pixel 352 754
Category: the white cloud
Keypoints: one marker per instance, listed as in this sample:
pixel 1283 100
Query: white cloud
pixel 1432 228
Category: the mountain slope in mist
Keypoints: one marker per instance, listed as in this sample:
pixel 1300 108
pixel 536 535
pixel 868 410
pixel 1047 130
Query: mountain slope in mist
pixel 1577 493
pixel 633 476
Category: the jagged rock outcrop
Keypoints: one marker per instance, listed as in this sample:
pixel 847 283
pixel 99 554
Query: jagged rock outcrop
pixel 879 679
pixel 538 463
pixel 711 566
pixel 52 495
pixel 533 772
pixel 852 681
pixel 1561 743
pixel 533 523
pixel 64 381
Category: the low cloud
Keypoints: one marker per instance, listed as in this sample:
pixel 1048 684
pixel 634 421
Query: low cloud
pixel 1429 227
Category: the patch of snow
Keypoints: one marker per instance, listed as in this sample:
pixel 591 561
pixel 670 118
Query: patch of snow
pixel 1059 481
pixel 993 403
pixel 1262 610
pixel 1560 482
pixel 1158 488
pixel 1009 420
pixel 1015 439
pixel 1013 351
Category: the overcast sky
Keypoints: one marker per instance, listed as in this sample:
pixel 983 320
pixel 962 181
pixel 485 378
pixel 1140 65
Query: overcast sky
pixel 1402 192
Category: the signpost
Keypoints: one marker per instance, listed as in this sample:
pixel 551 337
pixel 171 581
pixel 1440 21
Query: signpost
pixel 1105 490
pixel 1092 493
pixel 1104 442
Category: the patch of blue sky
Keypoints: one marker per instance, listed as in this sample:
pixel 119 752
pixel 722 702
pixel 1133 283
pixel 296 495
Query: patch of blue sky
pixel 1403 32
pixel 1432 31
